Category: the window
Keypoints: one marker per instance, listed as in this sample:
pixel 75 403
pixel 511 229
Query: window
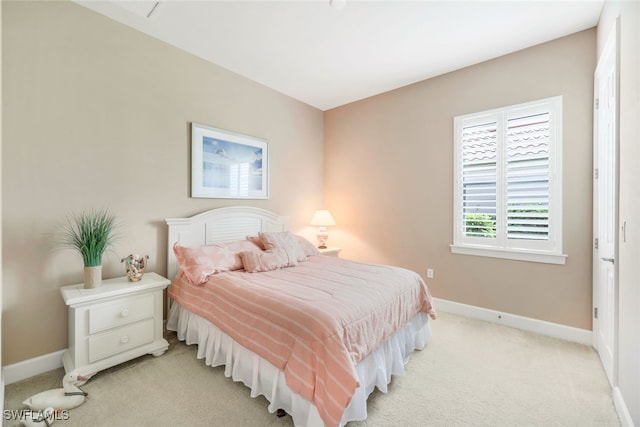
pixel 508 182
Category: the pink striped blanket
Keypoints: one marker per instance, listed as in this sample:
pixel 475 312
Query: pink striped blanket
pixel 314 321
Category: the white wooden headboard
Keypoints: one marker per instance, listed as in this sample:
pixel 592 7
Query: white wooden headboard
pixel 219 225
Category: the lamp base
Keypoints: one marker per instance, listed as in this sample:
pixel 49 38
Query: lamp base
pixel 322 235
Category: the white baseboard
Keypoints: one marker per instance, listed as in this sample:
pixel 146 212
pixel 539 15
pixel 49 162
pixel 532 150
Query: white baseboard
pixel 556 330
pixel 28 368
pixel 621 409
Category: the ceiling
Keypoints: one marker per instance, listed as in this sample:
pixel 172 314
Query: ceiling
pixel 327 57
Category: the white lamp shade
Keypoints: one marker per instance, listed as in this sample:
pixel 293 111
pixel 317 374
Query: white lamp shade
pixel 322 218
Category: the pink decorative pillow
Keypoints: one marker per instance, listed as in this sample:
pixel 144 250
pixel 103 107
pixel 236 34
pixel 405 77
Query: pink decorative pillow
pixel 256 240
pixel 255 262
pixel 198 263
pixel 283 240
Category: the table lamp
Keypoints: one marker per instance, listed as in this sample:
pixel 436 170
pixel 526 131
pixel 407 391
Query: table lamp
pixel 322 219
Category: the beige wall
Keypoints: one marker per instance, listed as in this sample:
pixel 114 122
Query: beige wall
pixel 628 373
pixel 389 180
pixel 97 114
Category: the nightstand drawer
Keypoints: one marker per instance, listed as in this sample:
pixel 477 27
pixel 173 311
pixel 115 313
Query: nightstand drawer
pixel 120 312
pixel 121 339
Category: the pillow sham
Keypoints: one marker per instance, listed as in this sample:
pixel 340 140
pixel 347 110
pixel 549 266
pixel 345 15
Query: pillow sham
pixel 273 259
pixel 308 247
pixel 283 240
pixel 199 263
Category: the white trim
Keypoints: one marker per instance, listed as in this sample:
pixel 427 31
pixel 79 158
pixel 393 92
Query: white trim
pixel 519 255
pixel 621 409
pixel 556 330
pixel 28 368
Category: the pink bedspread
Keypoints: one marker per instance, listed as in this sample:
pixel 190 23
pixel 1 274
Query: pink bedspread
pixel 314 322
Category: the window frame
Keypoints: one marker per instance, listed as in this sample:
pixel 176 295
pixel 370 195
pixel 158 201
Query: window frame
pixel 545 251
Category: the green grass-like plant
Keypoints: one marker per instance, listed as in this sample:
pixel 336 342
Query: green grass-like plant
pixel 89 233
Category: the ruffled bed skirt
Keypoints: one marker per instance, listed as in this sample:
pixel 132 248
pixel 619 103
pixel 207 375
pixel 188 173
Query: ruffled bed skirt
pixel 217 348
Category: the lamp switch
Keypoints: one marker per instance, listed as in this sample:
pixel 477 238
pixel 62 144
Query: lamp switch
pixel 429 273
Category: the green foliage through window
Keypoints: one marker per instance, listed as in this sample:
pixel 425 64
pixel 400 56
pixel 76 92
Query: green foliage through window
pixel 480 225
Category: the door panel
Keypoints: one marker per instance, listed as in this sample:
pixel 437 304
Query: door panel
pixel 605 206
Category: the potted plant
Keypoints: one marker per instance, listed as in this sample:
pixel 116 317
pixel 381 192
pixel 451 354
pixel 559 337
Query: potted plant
pixel 90 233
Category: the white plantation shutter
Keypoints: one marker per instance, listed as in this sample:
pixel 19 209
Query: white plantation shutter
pixel 508 182
pixel 479 173
pixel 527 177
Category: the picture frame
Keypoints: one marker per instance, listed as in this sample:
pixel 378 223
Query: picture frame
pixel 228 165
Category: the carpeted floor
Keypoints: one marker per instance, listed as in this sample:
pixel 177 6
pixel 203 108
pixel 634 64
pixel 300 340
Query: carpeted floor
pixel 471 374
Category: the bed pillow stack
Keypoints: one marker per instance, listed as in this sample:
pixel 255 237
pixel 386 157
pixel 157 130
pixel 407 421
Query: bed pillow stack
pixel 264 252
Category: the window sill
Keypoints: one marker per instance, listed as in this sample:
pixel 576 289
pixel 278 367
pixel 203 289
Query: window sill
pixel 513 254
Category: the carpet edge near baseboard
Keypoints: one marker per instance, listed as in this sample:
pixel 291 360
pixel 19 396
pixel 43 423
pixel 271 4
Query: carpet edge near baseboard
pixel 555 330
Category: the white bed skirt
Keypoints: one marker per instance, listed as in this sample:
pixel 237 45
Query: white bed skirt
pixel 217 348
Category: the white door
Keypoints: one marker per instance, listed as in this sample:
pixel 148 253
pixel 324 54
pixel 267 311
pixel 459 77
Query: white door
pixel 605 206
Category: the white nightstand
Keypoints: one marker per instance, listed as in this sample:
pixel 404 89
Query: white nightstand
pixel 330 251
pixel 114 323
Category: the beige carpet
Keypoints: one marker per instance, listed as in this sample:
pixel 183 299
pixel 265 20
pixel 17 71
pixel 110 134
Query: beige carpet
pixel 472 373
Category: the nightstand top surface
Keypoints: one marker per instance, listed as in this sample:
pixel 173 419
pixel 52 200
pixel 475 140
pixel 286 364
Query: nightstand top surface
pixel 77 294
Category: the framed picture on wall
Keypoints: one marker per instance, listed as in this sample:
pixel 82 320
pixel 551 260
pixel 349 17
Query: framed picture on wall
pixel 228 165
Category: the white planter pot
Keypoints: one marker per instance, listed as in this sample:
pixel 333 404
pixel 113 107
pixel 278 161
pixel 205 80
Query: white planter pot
pixel 92 277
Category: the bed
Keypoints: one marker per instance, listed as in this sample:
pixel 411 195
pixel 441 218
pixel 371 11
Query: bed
pixel 291 324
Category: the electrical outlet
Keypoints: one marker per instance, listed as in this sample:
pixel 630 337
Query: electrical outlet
pixel 429 273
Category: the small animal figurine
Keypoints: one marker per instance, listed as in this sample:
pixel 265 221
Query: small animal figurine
pixel 44 419
pixel 67 397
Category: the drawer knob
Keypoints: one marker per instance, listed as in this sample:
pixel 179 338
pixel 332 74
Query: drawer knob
pixel 124 313
pixel 124 339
